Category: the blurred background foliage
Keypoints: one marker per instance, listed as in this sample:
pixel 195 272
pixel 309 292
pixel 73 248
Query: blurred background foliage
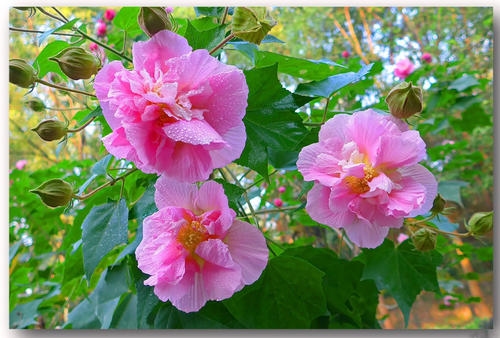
pixel 457 124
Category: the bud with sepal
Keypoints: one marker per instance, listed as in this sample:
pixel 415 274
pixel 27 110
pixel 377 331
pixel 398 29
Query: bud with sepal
pixel 51 130
pixel 424 239
pixel 21 73
pixel 252 23
pixel 480 223
pixel 405 100
pixel 55 193
pixel 77 63
pixel 35 104
pixel 154 19
pixel 438 205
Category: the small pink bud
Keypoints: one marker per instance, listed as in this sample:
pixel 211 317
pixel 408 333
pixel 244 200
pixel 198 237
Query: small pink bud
pixel 93 46
pixel 427 57
pixel 402 237
pixel 21 164
pixel 169 10
pixel 278 202
pixel 281 190
pixel 447 300
pixel 101 29
pixel 345 54
pixel 109 14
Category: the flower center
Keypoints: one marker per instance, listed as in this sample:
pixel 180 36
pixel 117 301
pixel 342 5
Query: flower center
pixel 192 234
pixel 360 185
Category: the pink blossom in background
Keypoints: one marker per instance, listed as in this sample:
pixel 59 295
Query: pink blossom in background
pixel 278 202
pixel 169 10
pixel 402 237
pixel 178 112
pixel 367 176
pixel 195 249
pixel 109 14
pixel 93 46
pixel 101 29
pixel 447 300
pixel 445 142
pixel 345 54
pixel 281 190
pixel 21 164
pixel 426 57
pixel 404 67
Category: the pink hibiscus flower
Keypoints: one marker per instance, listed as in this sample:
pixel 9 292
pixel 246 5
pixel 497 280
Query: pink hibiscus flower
pixel 178 112
pixel 109 14
pixel 194 248
pixel 367 176
pixel 101 29
pixel 404 67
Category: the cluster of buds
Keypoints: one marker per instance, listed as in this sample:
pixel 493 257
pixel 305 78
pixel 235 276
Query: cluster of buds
pixel 252 23
pixel 405 100
pixel 155 19
pixel 21 73
pixel 55 193
pixel 77 63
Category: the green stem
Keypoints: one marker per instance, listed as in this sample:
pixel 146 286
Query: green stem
pixel 15 29
pixel 60 14
pixel 326 111
pixel 224 15
pixel 112 50
pixel 82 127
pixel 260 180
pixel 50 15
pixel 113 181
pixel 53 85
pixel 270 211
pixel 223 42
pixel 456 234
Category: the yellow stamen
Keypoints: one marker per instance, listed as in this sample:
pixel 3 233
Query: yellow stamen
pixel 192 234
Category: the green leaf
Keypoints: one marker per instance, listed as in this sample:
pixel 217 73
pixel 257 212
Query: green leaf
pixel 146 299
pixel 330 85
pixel 350 300
pixel 206 39
pixel 42 63
pixel 125 315
pixel 24 315
pixel 270 120
pixel 204 24
pixel 94 113
pixel 67 25
pixel 104 227
pixel 288 295
pixel 233 193
pixel 209 11
pixel 126 19
pixel 450 190
pixel 301 68
pixel 466 81
pixel 403 271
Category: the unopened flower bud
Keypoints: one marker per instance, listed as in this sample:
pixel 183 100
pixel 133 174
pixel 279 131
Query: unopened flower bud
pixel 438 204
pixel 55 193
pixel 35 104
pixel 424 239
pixel 51 130
pixel 480 223
pixel 252 23
pixel 154 19
pixel 77 63
pixel 21 73
pixel 405 100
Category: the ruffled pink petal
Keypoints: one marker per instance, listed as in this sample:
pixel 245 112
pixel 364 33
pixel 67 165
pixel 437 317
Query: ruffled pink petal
pixel 410 197
pixel 167 219
pixel 248 249
pixel 421 175
pixel 314 165
pixel 402 150
pixel 102 84
pixel 118 145
pixel 211 196
pixel 235 139
pixel 318 207
pixel 374 213
pixel 216 252
pixel 335 128
pixel 154 52
pixel 194 132
pixel 155 254
pixel 171 271
pixel 170 192
pixel 221 283
pixel 364 234
pixel 190 163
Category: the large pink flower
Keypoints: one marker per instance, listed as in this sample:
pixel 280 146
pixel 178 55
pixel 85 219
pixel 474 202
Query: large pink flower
pixel 178 112
pixel 404 67
pixel 194 248
pixel 367 176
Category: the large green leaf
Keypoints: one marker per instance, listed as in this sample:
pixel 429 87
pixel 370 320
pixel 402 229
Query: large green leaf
pixel 125 314
pixel 351 301
pixel 450 190
pixel 403 271
pixel 270 120
pixel 206 39
pixel 288 295
pixel 67 25
pixel 209 11
pixel 104 227
pixel 302 68
pixel 126 19
pixel 24 315
pixel 330 85
pixel 464 82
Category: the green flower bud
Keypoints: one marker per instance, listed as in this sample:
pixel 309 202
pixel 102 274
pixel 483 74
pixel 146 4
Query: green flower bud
pixel 55 193
pixel 438 204
pixel 77 63
pixel 35 104
pixel 424 239
pixel 21 73
pixel 405 100
pixel 480 223
pixel 252 23
pixel 51 130
pixel 154 19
